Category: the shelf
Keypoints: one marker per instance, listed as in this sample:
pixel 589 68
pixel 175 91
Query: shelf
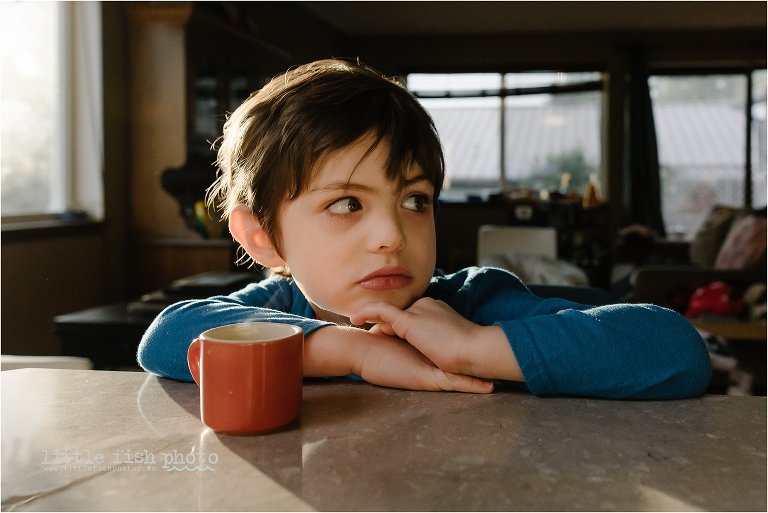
pixel 733 330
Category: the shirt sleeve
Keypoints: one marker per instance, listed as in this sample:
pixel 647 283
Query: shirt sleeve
pixel 628 351
pixel 163 348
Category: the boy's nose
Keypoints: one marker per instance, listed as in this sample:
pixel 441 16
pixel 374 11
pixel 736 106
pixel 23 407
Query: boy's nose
pixel 386 234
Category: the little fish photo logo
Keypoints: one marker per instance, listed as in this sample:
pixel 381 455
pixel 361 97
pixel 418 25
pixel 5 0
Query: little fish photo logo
pixel 127 460
pixel 199 461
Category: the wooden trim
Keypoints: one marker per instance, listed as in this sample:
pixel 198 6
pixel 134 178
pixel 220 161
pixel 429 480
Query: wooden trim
pixel 733 330
pixel 168 12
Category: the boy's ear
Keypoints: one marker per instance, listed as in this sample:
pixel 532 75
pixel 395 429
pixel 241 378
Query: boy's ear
pixel 247 230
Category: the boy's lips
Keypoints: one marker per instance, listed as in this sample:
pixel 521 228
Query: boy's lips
pixel 386 278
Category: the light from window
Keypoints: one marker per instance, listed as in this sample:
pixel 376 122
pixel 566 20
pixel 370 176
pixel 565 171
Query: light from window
pixel 29 110
pixel 560 135
pixel 759 164
pixel 468 124
pixel 547 132
pixel 700 125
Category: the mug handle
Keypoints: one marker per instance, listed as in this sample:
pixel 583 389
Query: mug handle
pixel 193 359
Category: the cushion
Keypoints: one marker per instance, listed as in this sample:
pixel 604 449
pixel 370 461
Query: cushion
pixel 706 244
pixel 745 244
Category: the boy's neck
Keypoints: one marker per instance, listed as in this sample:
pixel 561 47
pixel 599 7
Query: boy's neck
pixel 326 315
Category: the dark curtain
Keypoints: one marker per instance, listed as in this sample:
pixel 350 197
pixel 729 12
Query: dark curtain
pixel 642 180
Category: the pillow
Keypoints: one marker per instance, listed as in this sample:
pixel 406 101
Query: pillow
pixel 537 269
pixel 744 245
pixel 706 244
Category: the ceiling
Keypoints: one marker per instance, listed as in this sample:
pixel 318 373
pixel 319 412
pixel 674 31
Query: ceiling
pixel 384 18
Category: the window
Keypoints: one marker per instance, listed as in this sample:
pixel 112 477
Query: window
pixel 759 166
pixel 551 126
pixel 701 131
pixel 51 108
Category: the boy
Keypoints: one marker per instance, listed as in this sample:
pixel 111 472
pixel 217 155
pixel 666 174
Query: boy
pixel 329 175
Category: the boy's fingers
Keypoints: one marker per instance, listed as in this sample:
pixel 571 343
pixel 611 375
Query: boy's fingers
pixel 376 313
pixel 470 384
pixel 386 329
pixel 382 328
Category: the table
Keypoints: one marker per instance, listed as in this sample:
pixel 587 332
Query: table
pixel 101 440
pixel 108 335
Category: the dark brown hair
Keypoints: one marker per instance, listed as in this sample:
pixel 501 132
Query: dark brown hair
pixel 274 141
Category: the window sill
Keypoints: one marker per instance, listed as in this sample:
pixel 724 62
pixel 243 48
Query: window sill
pixel 18 230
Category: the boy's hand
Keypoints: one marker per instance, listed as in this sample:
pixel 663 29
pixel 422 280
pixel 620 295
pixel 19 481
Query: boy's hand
pixel 381 360
pixel 452 342
pixel 391 362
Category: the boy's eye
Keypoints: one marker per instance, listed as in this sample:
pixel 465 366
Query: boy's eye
pixel 344 206
pixel 417 202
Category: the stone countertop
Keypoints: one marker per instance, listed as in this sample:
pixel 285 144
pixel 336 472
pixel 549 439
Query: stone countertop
pixel 94 440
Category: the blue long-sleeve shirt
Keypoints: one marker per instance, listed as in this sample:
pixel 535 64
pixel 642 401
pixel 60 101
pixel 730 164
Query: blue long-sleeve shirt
pixel 627 351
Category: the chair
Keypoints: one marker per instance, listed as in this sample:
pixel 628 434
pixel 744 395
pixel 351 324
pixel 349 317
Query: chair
pixel 529 252
pixel 493 240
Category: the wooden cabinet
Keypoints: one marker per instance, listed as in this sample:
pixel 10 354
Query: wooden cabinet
pixel 157 115
pixel 188 69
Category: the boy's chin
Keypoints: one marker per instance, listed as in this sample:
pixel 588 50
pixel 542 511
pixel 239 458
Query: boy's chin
pixel 341 314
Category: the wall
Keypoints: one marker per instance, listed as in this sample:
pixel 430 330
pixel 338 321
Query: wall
pixel 44 276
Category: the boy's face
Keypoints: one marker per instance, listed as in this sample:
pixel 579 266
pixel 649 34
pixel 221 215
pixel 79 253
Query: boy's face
pixel 353 238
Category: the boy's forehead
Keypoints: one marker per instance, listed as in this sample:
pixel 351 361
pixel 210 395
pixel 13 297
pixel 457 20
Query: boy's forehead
pixel 341 165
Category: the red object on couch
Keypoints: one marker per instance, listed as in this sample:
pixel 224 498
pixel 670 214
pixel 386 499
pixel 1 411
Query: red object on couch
pixel 715 298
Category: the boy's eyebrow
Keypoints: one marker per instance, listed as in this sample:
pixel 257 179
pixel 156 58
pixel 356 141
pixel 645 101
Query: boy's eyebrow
pixel 336 186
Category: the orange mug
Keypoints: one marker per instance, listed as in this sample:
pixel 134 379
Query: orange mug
pixel 250 376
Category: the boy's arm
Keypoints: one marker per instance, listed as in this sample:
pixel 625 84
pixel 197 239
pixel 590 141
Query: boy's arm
pixel 636 351
pixel 330 351
pixel 616 351
pixel 163 348
pixel 627 351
